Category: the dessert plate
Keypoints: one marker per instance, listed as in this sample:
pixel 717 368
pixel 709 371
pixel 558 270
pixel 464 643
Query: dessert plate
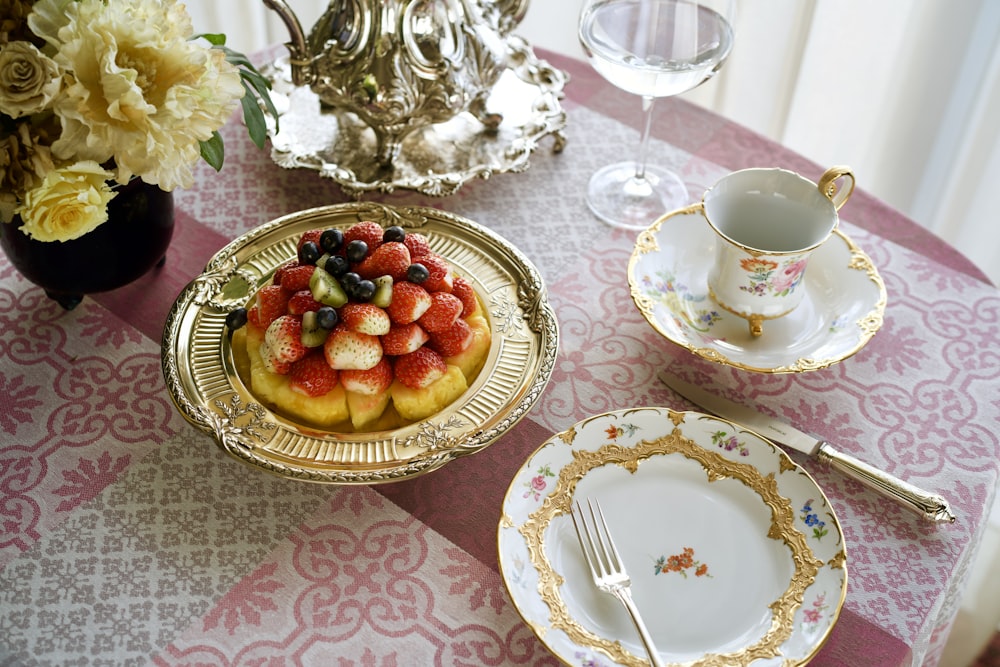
pixel 735 555
pixel 436 160
pixel 842 309
pixel 200 365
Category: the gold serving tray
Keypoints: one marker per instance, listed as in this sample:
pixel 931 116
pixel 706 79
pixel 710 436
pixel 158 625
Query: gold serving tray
pixel 200 368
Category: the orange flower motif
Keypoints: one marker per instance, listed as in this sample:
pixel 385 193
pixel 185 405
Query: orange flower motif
pixel 680 563
pixel 758 265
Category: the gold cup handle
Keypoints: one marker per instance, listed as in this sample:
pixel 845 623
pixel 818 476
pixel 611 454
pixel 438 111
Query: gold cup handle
pixel 828 185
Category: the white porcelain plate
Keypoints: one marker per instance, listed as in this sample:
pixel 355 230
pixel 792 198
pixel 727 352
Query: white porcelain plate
pixel 841 311
pixel 735 555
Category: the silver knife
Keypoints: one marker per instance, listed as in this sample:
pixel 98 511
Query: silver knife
pixel 929 505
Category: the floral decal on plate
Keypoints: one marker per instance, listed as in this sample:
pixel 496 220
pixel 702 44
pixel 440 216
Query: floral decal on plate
pixel 813 521
pixel 588 660
pixel 729 443
pixel 839 323
pixel 813 615
pixel 769 278
pixel 676 297
pixel 615 432
pixel 537 484
pixel 681 563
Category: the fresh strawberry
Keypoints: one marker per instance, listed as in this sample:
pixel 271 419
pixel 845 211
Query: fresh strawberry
pixel 295 278
pixel 278 272
pixel 389 259
pixel 365 318
pixel 453 340
pixel 302 302
pixel 409 302
pixel 463 289
pixel 369 382
pixel 419 368
pixel 417 244
pixel 253 317
pixel 403 339
pixel 271 361
pixel 284 338
pixel 367 231
pixel 311 375
pixel 440 278
pixel 272 303
pixel 445 309
pixel 312 235
pixel 350 350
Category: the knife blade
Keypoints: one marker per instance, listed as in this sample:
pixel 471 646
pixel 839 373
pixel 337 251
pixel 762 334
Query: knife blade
pixel 930 506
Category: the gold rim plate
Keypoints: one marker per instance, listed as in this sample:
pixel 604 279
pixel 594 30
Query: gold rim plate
pixel 735 555
pixel 842 309
pixel 200 369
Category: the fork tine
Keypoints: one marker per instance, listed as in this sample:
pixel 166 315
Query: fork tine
pixel 583 535
pixel 607 542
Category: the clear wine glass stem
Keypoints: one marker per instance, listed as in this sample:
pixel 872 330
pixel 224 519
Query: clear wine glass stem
pixel 647 110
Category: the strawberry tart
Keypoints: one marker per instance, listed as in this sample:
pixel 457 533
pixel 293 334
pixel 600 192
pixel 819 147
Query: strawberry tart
pixel 365 330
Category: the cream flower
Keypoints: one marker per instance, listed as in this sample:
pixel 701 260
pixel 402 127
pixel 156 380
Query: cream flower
pixel 138 90
pixel 70 202
pixel 28 79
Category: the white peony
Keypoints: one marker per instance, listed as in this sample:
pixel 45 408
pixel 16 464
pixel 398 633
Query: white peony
pixel 137 90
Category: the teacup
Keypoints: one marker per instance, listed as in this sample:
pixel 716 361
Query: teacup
pixel 769 222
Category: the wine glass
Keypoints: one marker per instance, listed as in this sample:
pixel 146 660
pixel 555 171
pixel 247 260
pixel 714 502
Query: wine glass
pixel 651 48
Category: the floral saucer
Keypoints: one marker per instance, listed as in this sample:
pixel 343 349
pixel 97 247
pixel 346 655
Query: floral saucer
pixel 842 309
pixel 735 555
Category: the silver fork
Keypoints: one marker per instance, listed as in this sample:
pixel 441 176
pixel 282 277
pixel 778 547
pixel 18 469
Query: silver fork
pixel 607 568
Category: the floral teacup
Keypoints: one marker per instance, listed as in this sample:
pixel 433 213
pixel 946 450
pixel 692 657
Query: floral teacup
pixel 769 221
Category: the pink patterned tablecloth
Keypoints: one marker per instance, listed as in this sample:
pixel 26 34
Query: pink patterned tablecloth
pixel 128 538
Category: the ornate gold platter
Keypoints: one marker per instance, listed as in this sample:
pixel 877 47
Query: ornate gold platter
pixel 842 309
pixel 200 367
pixel 735 555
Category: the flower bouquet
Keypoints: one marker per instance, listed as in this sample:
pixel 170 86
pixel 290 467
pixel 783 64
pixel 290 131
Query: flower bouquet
pixel 95 93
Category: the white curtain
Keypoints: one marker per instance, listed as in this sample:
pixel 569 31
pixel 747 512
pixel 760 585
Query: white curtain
pixel 907 92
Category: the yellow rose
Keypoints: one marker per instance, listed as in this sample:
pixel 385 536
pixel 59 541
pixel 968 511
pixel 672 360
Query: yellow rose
pixel 70 202
pixel 28 79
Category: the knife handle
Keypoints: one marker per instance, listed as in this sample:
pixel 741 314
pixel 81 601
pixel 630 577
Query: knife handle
pixel 929 505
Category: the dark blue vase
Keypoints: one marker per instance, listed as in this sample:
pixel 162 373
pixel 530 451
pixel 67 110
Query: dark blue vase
pixel 134 239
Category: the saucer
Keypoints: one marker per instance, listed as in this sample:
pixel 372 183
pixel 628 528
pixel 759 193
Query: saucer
pixel 842 309
pixel 735 555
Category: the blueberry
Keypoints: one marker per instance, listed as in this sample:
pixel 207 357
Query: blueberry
pixel 394 233
pixel 309 253
pixel 350 279
pixel 327 317
pixel 417 273
pixel 236 319
pixel 364 291
pixel 356 251
pixel 331 240
pixel 336 266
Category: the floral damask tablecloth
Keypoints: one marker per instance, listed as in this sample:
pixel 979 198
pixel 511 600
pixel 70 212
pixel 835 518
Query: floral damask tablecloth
pixel 127 537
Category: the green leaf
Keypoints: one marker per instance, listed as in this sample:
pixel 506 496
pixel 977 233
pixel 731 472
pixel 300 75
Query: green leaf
pixel 215 39
pixel 212 151
pixel 261 89
pixel 253 117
